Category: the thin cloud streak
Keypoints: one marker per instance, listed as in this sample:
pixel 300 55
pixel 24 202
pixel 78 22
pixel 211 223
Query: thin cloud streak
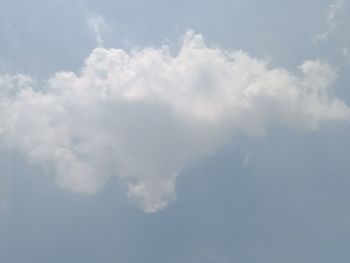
pixel 98 26
pixel 333 20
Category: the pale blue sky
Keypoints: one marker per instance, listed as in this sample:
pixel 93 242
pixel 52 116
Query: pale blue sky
pixel 281 197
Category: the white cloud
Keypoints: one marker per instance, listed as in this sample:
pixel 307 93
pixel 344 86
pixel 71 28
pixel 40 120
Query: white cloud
pixel 98 26
pixel 144 115
pixel 333 20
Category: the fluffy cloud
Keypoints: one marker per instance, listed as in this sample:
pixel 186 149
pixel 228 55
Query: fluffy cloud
pixel 144 115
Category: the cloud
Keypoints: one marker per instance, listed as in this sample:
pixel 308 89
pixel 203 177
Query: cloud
pixel 144 115
pixel 98 26
pixel 333 20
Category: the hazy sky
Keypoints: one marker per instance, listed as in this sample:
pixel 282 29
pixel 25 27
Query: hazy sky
pixel 174 131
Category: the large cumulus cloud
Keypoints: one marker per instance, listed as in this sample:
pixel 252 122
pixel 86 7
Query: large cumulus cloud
pixel 143 115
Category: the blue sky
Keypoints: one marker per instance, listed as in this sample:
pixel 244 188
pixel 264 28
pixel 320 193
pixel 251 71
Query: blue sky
pixel 160 131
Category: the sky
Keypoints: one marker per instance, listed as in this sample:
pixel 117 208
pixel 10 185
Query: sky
pixel 174 131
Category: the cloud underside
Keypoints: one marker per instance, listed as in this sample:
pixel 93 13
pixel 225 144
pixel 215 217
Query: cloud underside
pixel 144 115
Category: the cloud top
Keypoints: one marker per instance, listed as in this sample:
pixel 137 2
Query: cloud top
pixel 144 115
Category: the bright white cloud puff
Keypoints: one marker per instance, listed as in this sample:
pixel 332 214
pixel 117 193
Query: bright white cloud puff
pixel 144 115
